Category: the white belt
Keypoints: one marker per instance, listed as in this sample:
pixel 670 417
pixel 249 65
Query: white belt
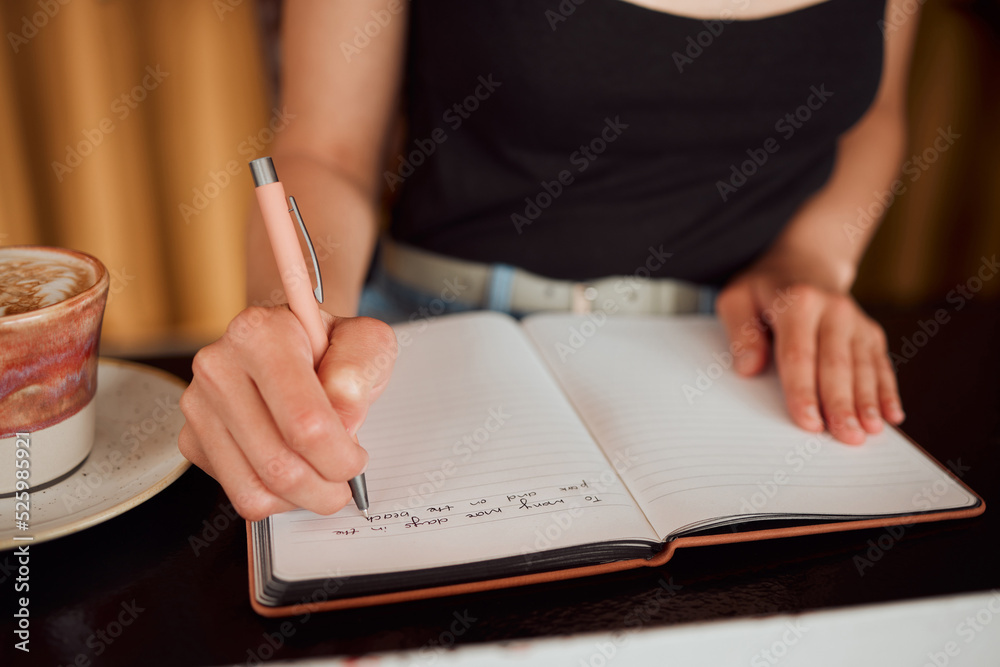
pixel 469 283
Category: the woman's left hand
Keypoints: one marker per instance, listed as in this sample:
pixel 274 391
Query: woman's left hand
pixel 831 357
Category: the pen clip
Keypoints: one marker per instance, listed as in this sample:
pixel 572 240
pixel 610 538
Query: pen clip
pixel 318 291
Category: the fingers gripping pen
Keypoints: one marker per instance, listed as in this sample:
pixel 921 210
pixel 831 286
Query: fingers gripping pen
pixel 303 300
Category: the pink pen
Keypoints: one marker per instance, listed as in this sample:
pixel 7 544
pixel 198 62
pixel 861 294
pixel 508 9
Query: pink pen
pixel 303 300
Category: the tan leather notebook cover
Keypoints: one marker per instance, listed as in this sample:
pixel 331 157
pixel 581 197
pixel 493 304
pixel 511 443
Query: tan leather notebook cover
pixel 576 572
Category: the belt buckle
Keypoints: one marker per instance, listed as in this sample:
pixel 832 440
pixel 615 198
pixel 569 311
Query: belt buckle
pixel 583 298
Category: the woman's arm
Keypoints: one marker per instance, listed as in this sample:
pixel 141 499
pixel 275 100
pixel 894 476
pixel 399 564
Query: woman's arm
pixel 276 432
pixel 827 228
pixel 343 100
pixel 832 358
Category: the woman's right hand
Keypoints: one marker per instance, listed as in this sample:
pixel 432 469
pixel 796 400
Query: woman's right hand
pixel 273 431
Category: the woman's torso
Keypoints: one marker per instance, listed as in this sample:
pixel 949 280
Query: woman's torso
pixel 576 140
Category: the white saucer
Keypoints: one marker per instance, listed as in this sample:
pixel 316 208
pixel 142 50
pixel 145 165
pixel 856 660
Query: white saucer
pixel 135 456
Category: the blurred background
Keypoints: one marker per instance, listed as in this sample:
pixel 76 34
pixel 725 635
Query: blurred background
pixel 126 127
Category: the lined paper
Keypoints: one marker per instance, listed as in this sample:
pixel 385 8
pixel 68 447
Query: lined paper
pixel 475 454
pixel 702 445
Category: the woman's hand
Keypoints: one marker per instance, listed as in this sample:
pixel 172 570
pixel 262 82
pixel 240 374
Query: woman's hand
pixel 275 432
pixel 831 357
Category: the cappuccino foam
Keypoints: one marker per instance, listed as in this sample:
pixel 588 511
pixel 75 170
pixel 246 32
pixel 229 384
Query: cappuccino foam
pixel 31 279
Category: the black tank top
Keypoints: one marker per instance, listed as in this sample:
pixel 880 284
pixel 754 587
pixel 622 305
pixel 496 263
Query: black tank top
pixel 592 142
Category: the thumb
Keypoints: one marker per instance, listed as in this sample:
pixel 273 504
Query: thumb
pixel 356 367
pixel 738 312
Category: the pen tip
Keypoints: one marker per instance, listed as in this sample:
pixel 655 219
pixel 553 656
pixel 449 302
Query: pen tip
pixel 365 512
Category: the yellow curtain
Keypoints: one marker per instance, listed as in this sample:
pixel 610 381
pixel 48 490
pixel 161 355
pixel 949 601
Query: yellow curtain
pixel 126 128
pixel 948 218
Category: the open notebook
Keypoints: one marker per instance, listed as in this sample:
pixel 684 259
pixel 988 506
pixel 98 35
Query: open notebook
pixel 504 453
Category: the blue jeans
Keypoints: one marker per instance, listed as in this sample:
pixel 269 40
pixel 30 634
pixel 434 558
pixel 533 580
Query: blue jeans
pixel 386 299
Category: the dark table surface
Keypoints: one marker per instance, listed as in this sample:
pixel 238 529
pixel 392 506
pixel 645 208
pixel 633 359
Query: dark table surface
pixel 187 601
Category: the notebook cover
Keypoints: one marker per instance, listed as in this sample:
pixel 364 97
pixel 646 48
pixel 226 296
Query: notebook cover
pixel 617 566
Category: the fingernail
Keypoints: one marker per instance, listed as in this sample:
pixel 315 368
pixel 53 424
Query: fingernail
pixel 747 362
pixel 812 413
pixel 852 424
pixel 896 413
pixel 871 412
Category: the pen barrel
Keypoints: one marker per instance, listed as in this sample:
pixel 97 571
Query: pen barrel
pixel 291 265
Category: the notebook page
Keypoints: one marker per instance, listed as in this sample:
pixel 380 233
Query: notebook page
pixel 703 444
pixel 474 454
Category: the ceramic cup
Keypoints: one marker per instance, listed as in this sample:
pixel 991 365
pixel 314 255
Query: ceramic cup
pixel 51 307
